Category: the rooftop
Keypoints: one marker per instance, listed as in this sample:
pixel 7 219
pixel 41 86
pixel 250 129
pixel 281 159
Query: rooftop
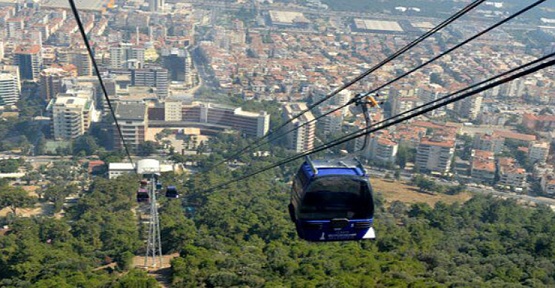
pixel 131 111
pixel 93 5
pixel 27 49
pixel 287 17
pixel 483 165
pixel 437 142
pixel 366 24
pixel 121 166
pixel 334 167
pixel 71 102
pixel 482 154
pixel 515 136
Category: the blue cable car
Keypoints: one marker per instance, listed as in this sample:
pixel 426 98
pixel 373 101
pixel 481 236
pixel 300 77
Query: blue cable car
pixel 331 200
pixel 171 192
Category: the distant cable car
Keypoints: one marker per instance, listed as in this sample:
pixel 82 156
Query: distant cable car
pixel 171 192
pixel 331 200
pixel 158 186
pixel 144 183
pixel 142 195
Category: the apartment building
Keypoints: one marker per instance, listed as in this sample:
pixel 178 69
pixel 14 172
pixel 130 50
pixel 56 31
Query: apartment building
pixel 126 55
pixel 78 57
pixel 434 154
pixel 29 61
pixel 482 167
pixel 133 121
pixel 51 82
pixel 383 149
pixel 71 116
pixel 539 122
pixel 548 184
pixel 333 122
pixel 469 107
pixel 538 152
pixel 9 89
pixel 154 77
pixel 488 142
pixel 173 110
pixel 302 138
pixel 510 174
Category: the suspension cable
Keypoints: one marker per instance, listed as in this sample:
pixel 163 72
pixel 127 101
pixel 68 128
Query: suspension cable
pixel 392 57
pixel 97 71
pixel 375 90
pixel 490 83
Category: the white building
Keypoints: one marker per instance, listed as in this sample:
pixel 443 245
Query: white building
pixel 538 152
pixel 510 174
pixel 333 122
pixel 148 167
pixel 143 167
pixel 9 89
pixel 488 142
pixel 469 107
pixel 341 99
pixel 173 110
pixel 435 154
pixel 125 55
pixel 382 149
pixel 301 139
pixel 71 116
pixel 117 169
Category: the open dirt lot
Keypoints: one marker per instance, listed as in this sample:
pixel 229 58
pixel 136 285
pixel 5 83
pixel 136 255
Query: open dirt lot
pixel 400 191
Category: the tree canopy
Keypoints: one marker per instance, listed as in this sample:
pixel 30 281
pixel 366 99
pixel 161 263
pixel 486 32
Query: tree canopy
pixel 241 236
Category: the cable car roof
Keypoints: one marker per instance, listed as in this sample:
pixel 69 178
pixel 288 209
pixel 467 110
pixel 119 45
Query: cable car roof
pixel 332 167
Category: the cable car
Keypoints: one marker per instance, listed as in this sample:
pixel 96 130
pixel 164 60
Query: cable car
pixel 142 195
pixel 158 186
pixel 331 200
pixel 171 192
pixel 144 183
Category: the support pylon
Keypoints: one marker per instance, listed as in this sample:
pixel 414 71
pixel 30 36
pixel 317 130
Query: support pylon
pixel 154 244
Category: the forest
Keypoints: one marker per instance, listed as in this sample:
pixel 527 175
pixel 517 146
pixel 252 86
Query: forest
pixel 241 236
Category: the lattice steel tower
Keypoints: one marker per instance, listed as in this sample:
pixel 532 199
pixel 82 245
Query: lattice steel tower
pixel 154 244
pixel 150 169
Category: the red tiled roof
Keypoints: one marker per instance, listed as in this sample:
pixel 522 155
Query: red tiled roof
pixel 430 142
pixel 32 49
pixel 483 154
pixel 514 135
pixel 483 165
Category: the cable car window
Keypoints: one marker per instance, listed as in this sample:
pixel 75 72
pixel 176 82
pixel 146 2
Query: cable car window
pixel 337 197
pixel 297 185
pixel 302 177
